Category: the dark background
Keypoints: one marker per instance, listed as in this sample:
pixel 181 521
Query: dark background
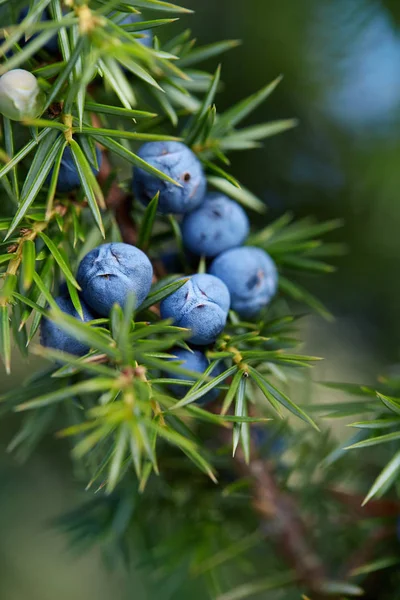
pixel 341 65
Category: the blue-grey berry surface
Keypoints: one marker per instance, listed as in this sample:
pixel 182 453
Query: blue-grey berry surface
pixel 52 336
pixel 201 305
pixel 52 44
pixel 68 177
pixel 109 273
pixel 251 277
pixel 218 224
pixel 197 362
pixel 182 165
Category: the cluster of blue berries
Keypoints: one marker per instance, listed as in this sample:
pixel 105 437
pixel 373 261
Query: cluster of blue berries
pixel 213 226
pixel 242 278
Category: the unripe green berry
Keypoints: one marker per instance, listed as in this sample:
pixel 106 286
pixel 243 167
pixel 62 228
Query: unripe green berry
pixel 20 95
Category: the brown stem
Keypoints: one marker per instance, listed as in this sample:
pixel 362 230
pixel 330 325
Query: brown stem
pixel 283 522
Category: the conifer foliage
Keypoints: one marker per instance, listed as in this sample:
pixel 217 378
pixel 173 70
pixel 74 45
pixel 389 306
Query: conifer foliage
pixel 165 311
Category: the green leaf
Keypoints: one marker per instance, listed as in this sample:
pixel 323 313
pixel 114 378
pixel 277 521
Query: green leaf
pixel 376 565
pixel 297 292
pixel 97 384
pixel 121 446
pixel 28 263
pixel 166 105
pixel 65 72
pixel 53 182
pixel 376 424
pixel 253 588
pixel 73 363
pixel 392 404
pixel 59 259
pixel 205 52
pixel 240 111
pixel 255 133
pixel 44 290
pixel 118 111
pixel 89 182
pixel 9 144
pixel 84 333
pixel 197 123
pixel 134 159
pixel 379 439
pixel 144 25
pixel 340 588
pixel 241 195
pixel 231 392
pixel 116 79
pixel 129 135
pixel 158 5
pixel 73 294
pixel 270 391
pixel 146 226
pixel 222 173
pixel 240 411
pixel 29 50
pixel 23 153
pixel 350 388
pixel 204 389
pixel 388 475
pixel 5 338
pixel 161 293
pixel 38 172
pixel 57 14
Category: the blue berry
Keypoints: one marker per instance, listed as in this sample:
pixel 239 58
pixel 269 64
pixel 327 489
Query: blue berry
pixel 197 362
pixel 109 273
pixel 179 162
pixel 52 44
pixel 52 336
pixel 251 277
pixel 218 224
pixel 201 305
pixel 68 177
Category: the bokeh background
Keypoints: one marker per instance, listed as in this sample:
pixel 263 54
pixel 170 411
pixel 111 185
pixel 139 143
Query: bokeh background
pixel 341 65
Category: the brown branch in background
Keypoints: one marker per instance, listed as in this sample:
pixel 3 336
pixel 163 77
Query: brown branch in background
pixel 283 522
pixel 375 508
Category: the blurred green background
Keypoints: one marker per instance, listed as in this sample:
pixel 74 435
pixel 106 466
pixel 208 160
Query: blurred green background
pixel 341 66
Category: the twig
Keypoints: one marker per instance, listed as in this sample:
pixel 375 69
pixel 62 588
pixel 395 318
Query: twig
pixel 283 522
pixel 375 508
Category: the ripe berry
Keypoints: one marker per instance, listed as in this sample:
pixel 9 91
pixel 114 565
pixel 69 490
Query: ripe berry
pixel 181 164
pixel 110 272
pixel 218 224
pixel 251 277
pixel 201 305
